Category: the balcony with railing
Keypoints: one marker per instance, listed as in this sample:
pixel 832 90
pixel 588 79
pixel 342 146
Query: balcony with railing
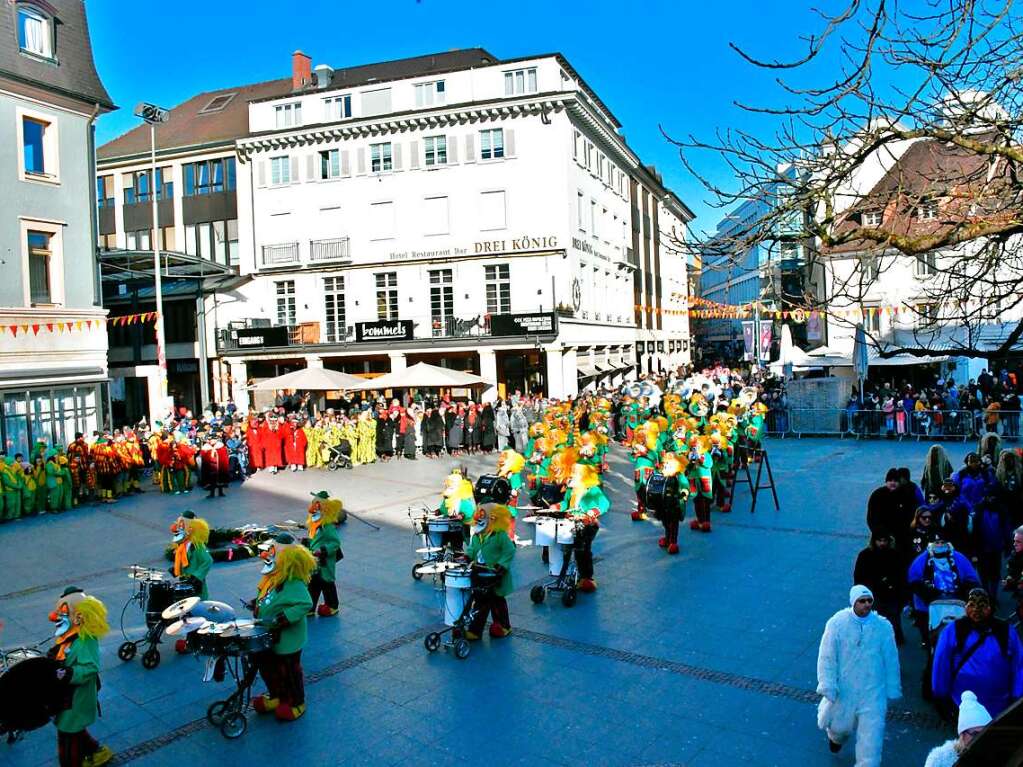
pixel 329 251
pixel 276 256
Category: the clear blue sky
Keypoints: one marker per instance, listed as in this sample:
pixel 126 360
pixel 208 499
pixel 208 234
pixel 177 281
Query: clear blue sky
pixel 657 63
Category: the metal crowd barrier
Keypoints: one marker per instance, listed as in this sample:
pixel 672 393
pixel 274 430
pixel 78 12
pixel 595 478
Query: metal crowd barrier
pixel 931 424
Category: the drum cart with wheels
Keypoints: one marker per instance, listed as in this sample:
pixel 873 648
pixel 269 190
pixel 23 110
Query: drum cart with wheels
pixel 431 530
pixel 460 584
pixel 231 650
pixel 155 590
pixel 557 530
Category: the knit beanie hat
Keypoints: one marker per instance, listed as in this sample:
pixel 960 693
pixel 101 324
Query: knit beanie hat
pixel 858 592
pixel 972 713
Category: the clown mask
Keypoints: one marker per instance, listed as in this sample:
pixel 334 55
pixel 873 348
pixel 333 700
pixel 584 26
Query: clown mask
pixel 480 520
pixel 64 613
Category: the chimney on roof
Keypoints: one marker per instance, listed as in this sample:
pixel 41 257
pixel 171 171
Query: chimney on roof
pixel 301 70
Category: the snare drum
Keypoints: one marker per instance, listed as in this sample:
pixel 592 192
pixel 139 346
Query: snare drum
pixel 438 526
pixel 242 639
pixel 566 532
pixel 30 693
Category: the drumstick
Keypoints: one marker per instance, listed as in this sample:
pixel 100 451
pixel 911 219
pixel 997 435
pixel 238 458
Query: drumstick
pixel 370 524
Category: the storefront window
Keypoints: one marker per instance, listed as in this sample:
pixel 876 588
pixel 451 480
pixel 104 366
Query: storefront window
pixel 15 424
pixel 65 415
pixel 87 410
pixel 42 416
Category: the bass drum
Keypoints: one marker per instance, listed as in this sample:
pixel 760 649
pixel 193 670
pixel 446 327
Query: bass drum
pixel 662 494
pixel 30 693
pixel 491 488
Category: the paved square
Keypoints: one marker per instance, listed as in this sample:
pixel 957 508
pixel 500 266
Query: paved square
pixel 707 658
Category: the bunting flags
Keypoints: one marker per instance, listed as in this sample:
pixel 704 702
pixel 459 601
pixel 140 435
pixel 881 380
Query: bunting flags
pixel 78 325
pixel 701 308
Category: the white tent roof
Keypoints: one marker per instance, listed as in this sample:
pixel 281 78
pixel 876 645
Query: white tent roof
pixel 422 376
pixel 312 379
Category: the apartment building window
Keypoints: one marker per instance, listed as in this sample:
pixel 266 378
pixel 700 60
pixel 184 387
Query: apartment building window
pixel 604 229
pixel 138 189
pixel 387 295
pixel 428 94
pixel 498 283
pixel 334 308
pixel 286 302
pixel 872 319
pixel 520 81
pixel 105 192
pixel 35 33
pixel 210 176
pixel 492 211
pixel 927 210
pixel 594 223
pixel 442 300
pixel 280 170
pixel 380 157
pixel 927 313
pixel 213 240
pixel 436 150
pixel 589 155
pixel 926 265
pixel 580 207
pixel 873 218
pixel 40 257
pixel 139 240
pixel 492 144
pixel 288 115
pixel 600 165
pixel 868 268
pixel 577 140
pixel 376 102
pixel 107 241
pixel 330 164
pixel 337 107
pixel 37 147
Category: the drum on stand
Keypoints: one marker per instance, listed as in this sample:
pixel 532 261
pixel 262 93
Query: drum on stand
pixel 438 526
pixel 546 532
pixel 30 693
pixel 162 594
pixel 566 532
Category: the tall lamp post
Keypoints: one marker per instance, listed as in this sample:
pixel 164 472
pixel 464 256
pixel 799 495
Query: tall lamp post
pixel 153 115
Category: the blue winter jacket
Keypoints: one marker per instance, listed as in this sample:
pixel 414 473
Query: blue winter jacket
pixel 968 577
pixel 995 677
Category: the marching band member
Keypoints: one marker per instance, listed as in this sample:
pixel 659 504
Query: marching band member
pixel 510 466
pixel 325 544
pixel 587 501
pixel 81 622
pixel 673 465
pixel 281 604
pixel 216 465
pixel 458 501
pixel 192 560
pixel 700 482
pixel 644 459
pixel 491 545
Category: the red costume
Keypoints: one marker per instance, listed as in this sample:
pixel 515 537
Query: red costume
pixel 252 441
pixel 294 447
pixel 215 466
pixel 271 443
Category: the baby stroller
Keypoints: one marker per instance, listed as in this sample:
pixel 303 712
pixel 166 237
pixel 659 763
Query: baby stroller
pixel 339 456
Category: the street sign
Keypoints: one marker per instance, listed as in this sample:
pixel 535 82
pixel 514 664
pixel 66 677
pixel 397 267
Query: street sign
pixel 151 113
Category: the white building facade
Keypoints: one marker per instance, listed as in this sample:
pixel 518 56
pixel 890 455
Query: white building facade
pixel 489 218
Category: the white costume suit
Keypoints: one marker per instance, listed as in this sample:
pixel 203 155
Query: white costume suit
pixel 857 673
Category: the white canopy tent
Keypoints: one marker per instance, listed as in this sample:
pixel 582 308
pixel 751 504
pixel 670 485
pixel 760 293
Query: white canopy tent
pixel 311 379
pixel 421 376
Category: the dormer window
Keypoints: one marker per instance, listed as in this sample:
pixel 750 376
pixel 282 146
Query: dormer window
pixel 927 210
pixel 288 115
pixel 873 218
pixel 35 32
pixel 520 81
pixel 428 94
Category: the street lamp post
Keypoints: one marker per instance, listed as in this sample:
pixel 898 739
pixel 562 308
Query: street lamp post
pixel 154 115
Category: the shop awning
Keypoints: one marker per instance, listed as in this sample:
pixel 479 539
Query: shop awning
pixel 603 367
pixel 905 359
pixel 586 371
pixel 312 379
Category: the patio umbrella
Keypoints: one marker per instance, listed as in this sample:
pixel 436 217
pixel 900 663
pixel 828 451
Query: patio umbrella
pixel 312 379
pixel 422 376
pixel 859 356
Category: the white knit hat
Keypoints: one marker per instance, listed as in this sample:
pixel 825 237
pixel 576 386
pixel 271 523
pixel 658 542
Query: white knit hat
pixel 858 592
pixel 972 713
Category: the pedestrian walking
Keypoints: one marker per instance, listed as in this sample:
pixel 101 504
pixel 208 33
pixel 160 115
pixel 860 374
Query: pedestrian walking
pixel 857 674
pixel 973 718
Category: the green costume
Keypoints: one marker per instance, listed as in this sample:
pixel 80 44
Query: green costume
pixel 466 507
pixel 494 549
pixel 13 482
pixel 65 487
pixel 593 498
pixel 198 567
pixel 291 599
pixel 54 484
pixel 28 496
pixel 326 539
pixel 81 658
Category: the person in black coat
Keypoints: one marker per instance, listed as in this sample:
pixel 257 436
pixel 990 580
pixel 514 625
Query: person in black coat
pixel 890 508
pixel 433 433
pixel 923 531
pixel 385 436
pixel 880 568
pixel 449 422
pixel 408 436
pixel 488 434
